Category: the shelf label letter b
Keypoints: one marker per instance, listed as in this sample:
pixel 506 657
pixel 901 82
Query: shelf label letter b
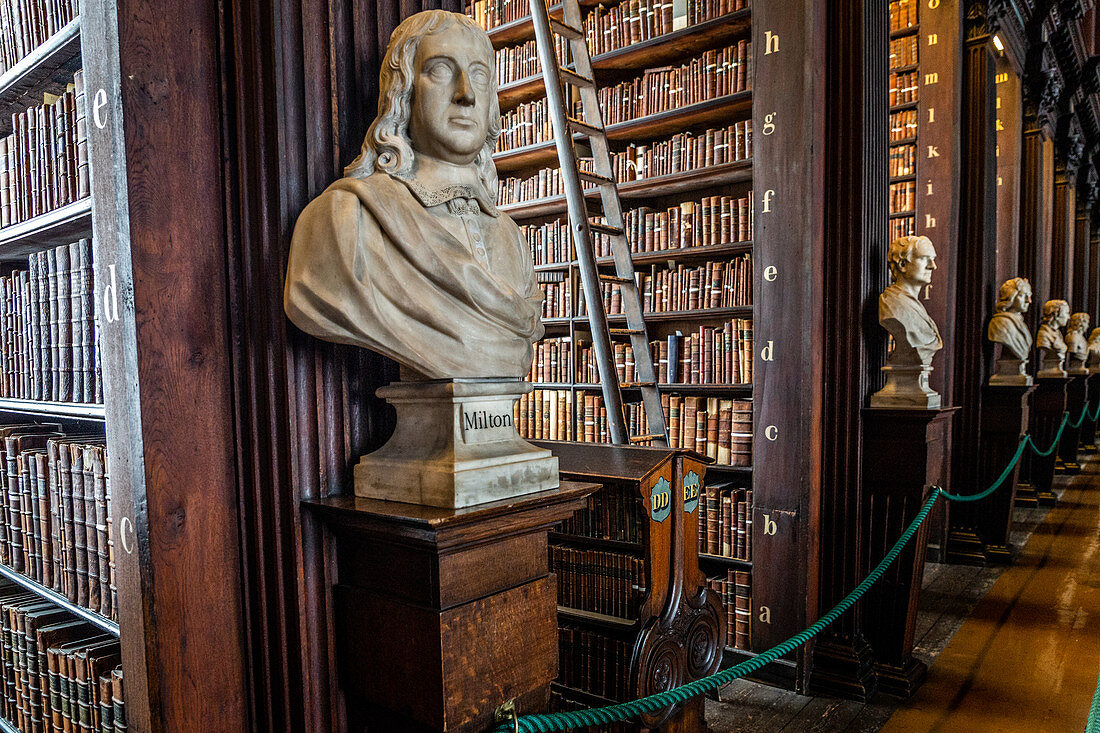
pixel 770 527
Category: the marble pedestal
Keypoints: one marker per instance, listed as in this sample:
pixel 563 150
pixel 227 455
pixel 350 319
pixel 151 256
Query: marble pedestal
pixel 906 389
pixel 1088 428
pixel 1076 394
pixel 1010 373
pixel 441 615
pixel 979 530
pixel 1048 403
pixel 904 454
pixel 455 446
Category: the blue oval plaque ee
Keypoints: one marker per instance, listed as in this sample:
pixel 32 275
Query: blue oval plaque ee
pixel 660 500
pixel 691 492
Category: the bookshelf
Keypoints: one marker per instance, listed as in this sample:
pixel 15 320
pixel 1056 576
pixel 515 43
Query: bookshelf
pixel 57 551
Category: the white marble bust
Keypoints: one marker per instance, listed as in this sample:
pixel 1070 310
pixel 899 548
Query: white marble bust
pixel 1077 347
pixel 408 254
pixel 1008 328
pixel 912 260
pixel 1093 362
pixel 1049 339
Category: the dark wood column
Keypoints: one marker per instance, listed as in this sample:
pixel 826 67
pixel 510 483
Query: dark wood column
pixel 1083 274
pixel 1009 127
pixel 1036 201
pixel 855 244
pixel 976 270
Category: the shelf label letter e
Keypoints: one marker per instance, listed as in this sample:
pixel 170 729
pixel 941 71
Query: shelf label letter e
pixel 97 106
pixel 110 297
pixel 771 272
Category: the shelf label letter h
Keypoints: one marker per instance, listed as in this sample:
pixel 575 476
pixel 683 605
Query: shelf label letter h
pixel 771 43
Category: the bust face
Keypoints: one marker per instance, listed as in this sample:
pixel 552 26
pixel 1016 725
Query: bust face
pixel 918 270
pixel 1062 318
pixel 450 99
pixel 1022 301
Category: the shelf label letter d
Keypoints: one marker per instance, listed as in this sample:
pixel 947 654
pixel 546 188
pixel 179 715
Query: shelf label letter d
pixel 110 297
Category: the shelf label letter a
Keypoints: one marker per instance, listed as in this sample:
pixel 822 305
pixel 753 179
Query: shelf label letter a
pixel 771 43
pixel 765 615
pixel 110 297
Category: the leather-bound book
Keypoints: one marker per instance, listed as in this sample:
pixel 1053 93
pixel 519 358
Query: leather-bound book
pixel 64 324
pixel 106 706
pixel 90 664
pixel 81 137
pixel 46 517
pixel 118 699
pixel 80 522
pixel 47 637
pixel 40 269
pixel 76 321
pixel 32 622
pixel 99 483
pixel 54 331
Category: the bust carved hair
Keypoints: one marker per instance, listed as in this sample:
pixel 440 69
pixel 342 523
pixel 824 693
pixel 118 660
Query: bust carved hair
pixel 407 254
pixel 1049 338
pixel 1077 348
pixel 1007 326
pixel 916 337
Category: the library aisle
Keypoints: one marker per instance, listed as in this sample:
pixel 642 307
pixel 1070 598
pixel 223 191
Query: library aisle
pixel 1025 660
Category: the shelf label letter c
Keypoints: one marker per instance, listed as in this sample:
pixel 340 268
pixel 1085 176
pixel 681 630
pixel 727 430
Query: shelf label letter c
pixel 771 433
pixel 125 535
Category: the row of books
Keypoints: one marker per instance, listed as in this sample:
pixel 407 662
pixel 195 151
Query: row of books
pixel 553 361
pixel 560 703
pixel 902 227
pixel 552 414
pixel 558 300
pixel 903 14
pixel 61 674
pixel 725 520
pixel 903 52
pixel 48 328
pixel 717 428
pixel 27 24
pixel 903 125
pixel 903 196
pixel 715 73
pixel 594 662
pixel 709 221
pixel 614 512
pixel 44 161
pixel 672 288
pixel 712 355
pixel 611 27
pixel 683 152
pixel 735 590
pixel 903 87
pixel 515 63
pixel 492 13
pixel 56 511
pixel 601 581
pixel 902 160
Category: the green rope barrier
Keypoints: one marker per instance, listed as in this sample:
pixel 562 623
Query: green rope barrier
pixel 550 722
pixel 1093 724
pixel 1057 439
pixel 1024 442
pixel 1081 418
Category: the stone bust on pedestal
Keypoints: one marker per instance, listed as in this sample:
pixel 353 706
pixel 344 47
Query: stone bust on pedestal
pixel 1077 347
pixel 912 261
pixel 1007 328
pixel 408 255
pixel 1049 339
pixel 1093 362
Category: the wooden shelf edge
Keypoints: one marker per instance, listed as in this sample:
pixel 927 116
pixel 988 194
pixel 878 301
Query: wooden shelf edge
pixel 60 226
pixel 705 251
pixel 903 179
pixel 58 50
pixel 911 30
pixel 723 468
pixel 54 409
pixel 902 214
pixel 54 597
pixel 623 546
pixel 732 561
pixel 904 106
pixel 668 316
pixel 589 698
pixel 593 617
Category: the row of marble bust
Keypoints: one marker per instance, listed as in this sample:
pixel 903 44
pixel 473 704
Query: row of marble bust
pixel 1061 354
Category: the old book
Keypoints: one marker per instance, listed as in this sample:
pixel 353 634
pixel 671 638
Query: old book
pixel 82 187
pixel 90 664
pixel 64 325
pixel 76 320
pixel 38 264
pixel 55 635
pixel 54 332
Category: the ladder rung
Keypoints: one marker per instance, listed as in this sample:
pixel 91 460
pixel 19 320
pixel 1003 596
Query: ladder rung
pixel 595 178
pixel 564 29
pixel 625 331
pixel 572 77
pixel 642 438
pixel 583 127
pixel 605 229
pixel 616 279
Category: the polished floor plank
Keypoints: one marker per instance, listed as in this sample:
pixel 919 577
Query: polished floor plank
pixel 1026 659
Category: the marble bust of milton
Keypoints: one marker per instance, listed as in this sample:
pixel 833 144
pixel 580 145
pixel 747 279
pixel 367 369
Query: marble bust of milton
pixel 407 254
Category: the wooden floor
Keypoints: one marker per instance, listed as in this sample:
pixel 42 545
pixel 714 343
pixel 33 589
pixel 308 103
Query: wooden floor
pixel 1009 649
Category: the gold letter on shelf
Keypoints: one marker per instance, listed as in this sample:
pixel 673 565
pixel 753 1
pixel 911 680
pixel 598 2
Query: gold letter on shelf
pixel 771 43
pixel 771 273
pixel 768 352
pixel 770 527
pixel 765 615
pixel 771 433
pixel 769 126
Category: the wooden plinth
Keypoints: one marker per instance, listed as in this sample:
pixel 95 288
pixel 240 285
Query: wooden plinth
pixel 904 454
pixel 1048 404
pixel 843 667
pixel 442 615
pixel 1076 394
pixel 1003 423
pixel 1088 429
